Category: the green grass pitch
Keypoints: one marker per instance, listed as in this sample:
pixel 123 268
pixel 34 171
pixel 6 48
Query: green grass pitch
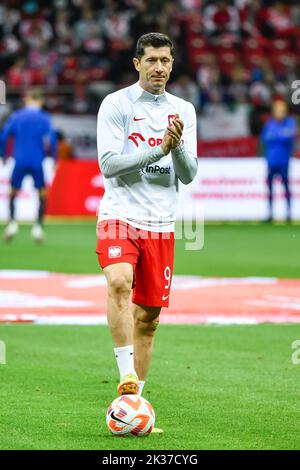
pixel 212 387
pixel 229 250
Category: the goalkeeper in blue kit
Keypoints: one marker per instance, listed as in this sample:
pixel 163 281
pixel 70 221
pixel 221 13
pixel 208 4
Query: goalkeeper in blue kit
pixel 31 129
pixel 278 138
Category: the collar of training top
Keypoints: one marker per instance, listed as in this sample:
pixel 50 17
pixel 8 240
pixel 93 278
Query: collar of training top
pixel 138 93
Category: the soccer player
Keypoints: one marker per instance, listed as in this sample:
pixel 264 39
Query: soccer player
pixel 278 137
pixel 146 143
pixel 29 127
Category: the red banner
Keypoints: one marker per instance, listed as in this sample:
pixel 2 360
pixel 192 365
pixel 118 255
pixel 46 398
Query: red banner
pixel 239 147
pixel 76 189
pixel 224 188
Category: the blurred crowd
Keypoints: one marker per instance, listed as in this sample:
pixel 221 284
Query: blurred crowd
pixel 229 54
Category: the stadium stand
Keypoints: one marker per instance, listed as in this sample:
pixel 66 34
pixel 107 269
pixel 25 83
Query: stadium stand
pixel 231 55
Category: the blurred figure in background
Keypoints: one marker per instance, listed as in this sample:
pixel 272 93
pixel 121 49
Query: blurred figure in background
pixel 187 89
pixel 64 148
pixel 29 128
pixel 278 137
pixel 221 19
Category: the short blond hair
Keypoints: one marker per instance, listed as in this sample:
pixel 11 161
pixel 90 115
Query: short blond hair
pixel 35 94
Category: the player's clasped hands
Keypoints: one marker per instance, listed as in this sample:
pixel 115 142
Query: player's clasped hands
pixel 173 134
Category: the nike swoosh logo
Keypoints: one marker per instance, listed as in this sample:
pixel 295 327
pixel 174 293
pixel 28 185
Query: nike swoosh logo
pixel 112 415
pixel 138 119
pixel 164 297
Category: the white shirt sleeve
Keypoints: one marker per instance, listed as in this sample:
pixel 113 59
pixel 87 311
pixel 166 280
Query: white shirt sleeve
pixel 110 143
pixel 184 157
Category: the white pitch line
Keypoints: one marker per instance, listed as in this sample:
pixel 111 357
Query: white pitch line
pixel 172 319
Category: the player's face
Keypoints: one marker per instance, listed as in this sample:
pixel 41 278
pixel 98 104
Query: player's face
pixel 154 68
pixel 279 110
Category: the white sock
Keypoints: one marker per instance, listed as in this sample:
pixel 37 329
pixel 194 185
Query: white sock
pixel 141 386
pixel 125 360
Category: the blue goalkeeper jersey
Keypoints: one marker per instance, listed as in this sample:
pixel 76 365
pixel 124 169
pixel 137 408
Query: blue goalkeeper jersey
pixel 278 139
pixel 32 133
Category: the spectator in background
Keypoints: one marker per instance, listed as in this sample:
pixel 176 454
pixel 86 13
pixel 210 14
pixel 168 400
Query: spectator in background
pixel 239 78
pixel 247 10
pixel 116 25
pixel 84 25
pixel 276 21
pixel 143 21
pixel 208 74
pixel 10 44
pixel 62 24
pixel 190 4
pixel 168 20
pixel 18 75
pixel 221 19
pixel 295 12
pixel 259 91
pixel 44 63
pixel 186 88
pixel 64 148
pixel 278 138
pixel 9 20
pixel 215 105
pixel 34 32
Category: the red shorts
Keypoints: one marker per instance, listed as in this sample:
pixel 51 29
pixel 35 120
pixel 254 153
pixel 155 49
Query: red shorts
pixel 150 253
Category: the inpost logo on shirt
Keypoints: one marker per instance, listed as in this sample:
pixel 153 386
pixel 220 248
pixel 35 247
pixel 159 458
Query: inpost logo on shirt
pixel 156 169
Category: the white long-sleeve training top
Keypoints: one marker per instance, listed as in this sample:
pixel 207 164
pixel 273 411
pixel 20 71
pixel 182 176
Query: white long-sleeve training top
pixel 141 183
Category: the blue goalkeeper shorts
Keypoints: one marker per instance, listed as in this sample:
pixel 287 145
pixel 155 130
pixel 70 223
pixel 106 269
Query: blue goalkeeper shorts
pixel 20 172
